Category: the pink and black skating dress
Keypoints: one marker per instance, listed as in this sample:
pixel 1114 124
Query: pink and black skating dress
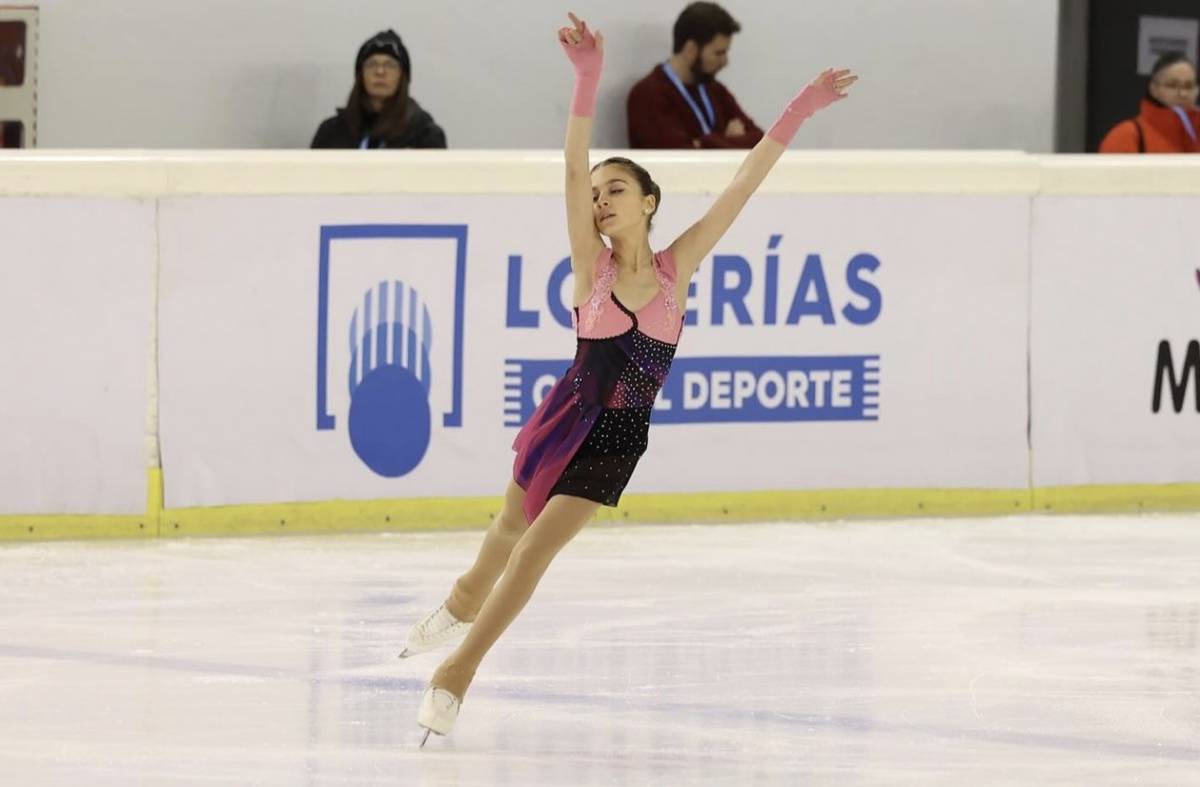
pixel 587 435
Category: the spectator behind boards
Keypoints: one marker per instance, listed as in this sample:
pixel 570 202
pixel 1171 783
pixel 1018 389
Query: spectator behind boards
pixel 1169 120
pixel 680 103
pixel 380 113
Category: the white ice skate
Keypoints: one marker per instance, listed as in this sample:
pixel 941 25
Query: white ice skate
pixel 438 712
pixel 437 629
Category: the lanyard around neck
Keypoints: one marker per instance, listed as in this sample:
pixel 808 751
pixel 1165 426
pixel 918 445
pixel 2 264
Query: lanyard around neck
pixel 1187 122
pixel 707 127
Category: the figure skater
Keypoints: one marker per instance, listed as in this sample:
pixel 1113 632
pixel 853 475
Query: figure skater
pixel 581 445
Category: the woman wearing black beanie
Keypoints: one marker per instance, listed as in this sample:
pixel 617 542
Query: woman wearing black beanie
pixel 380 113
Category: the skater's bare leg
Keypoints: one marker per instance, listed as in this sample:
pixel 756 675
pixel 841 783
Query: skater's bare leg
pixel 473 587
pixel 560 520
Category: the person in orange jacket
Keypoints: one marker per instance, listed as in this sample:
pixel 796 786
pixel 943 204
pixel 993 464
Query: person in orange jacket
pixel 1169 121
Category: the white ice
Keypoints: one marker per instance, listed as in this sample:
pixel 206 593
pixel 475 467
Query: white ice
pixel 1023 651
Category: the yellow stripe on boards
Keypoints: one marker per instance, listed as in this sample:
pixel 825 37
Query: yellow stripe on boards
pixel 1116 498
pixel 333 516
pixel 400 514
pixel 816 505
pixel 430 514
pixel 58 527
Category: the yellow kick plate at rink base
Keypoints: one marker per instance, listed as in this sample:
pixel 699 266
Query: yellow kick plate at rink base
pixel 430 514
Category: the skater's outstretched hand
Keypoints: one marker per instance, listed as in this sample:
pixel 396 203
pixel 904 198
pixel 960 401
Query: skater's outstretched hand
pixel 829 87
pixel 584 48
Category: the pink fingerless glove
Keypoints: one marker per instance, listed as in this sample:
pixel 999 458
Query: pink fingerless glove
pixel 588 61
pixel 820 94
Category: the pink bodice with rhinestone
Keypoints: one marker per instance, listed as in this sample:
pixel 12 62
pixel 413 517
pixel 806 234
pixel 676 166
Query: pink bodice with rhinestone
pixel 659 319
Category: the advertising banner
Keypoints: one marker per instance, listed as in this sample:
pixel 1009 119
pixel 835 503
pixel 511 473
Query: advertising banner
pixel 75 314
pixel 1115 342
pixel 316 348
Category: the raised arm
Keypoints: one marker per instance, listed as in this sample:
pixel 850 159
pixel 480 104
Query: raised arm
pixel 697 241
pixel 586 53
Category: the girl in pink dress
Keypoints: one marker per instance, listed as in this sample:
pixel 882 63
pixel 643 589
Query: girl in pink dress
pixel 580 447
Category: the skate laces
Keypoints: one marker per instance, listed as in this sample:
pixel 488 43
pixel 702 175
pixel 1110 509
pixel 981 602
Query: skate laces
pixel 440 620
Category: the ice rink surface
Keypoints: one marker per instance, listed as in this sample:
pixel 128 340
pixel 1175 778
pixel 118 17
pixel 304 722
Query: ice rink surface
pixel 1023 651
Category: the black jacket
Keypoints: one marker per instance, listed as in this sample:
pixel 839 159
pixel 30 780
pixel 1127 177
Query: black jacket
pixel 419 132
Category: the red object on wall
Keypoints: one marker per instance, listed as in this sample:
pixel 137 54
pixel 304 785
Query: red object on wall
pixel 12 53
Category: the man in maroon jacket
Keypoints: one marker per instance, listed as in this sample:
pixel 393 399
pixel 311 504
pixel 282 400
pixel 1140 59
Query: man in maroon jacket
pixel 680 104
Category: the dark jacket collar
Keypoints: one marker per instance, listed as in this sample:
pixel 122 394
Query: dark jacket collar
pixel 417 126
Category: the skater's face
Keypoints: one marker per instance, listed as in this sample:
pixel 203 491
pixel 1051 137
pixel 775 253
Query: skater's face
pixel 381 76
pixel 617 200
pixel 1175 85
pixel 710 58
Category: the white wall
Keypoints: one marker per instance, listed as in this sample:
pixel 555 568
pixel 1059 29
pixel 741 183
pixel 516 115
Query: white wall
pixel 975 74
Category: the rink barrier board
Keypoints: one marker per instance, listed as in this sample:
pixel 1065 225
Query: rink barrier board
pixel 160 174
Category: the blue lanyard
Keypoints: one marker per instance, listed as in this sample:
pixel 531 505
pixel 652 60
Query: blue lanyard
pixel 707 127
pixel 366 143
pixel 1187 122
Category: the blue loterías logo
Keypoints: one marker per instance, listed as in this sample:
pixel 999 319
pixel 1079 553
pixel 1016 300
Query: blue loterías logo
pixel 398 290
pixel 390 337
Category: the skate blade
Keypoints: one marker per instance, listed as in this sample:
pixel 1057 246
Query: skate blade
pixel 425 738
pixel 406 654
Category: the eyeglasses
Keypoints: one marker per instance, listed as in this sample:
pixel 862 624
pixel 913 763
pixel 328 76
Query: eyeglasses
pixel 382 65
pixel 1185 87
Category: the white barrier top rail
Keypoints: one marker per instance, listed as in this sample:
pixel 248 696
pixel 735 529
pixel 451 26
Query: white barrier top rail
pixel 176 173
pixel 1082 174
pixel 172 173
